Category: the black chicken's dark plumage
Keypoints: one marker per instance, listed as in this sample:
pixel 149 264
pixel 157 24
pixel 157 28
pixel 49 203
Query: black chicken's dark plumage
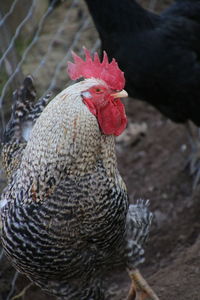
pixel 160 54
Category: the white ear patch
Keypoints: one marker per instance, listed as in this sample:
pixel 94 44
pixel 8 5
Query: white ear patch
pixel 26 130
pixel 86 94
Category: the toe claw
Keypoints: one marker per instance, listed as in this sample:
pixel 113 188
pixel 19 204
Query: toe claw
pixel 140 290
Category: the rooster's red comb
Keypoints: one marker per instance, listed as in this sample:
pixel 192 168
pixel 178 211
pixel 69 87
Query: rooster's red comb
pixel 108 72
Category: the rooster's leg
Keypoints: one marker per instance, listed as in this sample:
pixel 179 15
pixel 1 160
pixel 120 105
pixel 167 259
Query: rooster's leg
pixel 140 290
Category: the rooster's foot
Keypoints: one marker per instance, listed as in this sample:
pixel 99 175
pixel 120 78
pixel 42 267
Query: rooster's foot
pixel 140 290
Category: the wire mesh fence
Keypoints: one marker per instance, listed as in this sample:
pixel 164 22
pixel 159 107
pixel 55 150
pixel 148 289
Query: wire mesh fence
pixel 15 63
pixel 37 38
pixel 14 69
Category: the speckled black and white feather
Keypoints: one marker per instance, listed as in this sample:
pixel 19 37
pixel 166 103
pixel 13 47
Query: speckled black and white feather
pixel 139 220
pixel 24 114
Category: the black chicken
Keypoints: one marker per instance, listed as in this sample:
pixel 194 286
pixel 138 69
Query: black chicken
pixel 160 55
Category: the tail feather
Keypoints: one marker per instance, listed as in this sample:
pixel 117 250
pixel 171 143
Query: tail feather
pixel 24 114
pixel 24 111
pixel 23 99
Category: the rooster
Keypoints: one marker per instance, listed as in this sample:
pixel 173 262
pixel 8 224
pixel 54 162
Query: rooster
pixel 65 212
pixel 159 55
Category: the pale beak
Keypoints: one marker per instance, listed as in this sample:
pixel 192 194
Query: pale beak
pixel 121 94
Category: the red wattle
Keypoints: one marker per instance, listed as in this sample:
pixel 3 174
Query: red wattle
pixel 112 118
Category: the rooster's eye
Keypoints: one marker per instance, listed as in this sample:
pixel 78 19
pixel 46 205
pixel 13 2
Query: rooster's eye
pixel 98 90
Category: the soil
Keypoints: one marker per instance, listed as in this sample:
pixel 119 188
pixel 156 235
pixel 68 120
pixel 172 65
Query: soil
pixel 152 157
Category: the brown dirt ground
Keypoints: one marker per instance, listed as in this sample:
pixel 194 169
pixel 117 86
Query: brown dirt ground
pixel 153 166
